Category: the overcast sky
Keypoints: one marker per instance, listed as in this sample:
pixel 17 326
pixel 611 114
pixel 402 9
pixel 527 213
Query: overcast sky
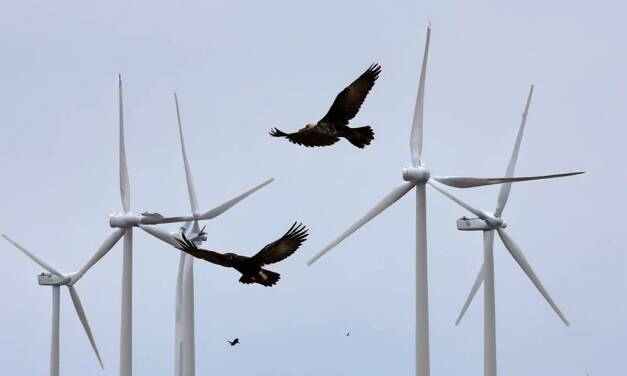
pixel 242 67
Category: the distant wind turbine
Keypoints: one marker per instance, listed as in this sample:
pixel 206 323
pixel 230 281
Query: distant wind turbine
pixel 417 176
pixel 57 279
pixel 184 328
pixel 488 224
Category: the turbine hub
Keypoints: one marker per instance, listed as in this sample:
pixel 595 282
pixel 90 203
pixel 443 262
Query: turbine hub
pixel 416 174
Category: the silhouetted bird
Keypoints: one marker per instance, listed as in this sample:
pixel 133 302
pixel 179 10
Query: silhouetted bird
pixel 234 342
pixel 348 334
pixel 251 267
pixel 334 124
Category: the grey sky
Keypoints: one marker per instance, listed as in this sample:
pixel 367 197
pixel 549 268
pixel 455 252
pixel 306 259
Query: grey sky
pixel 242 67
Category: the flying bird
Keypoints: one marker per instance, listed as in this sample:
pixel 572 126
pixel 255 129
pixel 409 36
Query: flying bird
pixel 252 267
pixel 234 342
pixel 334 124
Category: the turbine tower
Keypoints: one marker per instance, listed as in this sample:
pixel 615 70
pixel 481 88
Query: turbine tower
pixel 57 279
pixel 417 176
pixel 489 224
pixel 124 224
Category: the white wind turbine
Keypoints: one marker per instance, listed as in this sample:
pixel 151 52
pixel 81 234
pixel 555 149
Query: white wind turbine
pixel 184 325
pixel 417 176
pixel 124 222
pixel 57 279
pixel 488 224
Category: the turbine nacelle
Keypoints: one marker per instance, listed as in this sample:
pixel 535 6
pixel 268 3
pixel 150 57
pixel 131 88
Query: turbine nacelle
pixel 416 174
pixel 478 224
pixel 125 220
pixel 49 279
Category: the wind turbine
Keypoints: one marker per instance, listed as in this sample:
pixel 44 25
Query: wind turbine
pixel 184 325
pixel 124 223
pixel 488 224
pixel 417 176
pixel 57 279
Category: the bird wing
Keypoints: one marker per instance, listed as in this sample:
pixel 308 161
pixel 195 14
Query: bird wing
pixel 284 247
pixel 349 101
pixel 307 137
pixel 189 247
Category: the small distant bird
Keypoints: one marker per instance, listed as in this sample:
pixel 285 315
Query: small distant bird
pixel 234 342
pixel 251 267
pixel 348 334
pixel 334 124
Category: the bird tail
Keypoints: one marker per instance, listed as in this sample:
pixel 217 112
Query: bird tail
pixel 275 132
pixel 360 137
pixel 263 277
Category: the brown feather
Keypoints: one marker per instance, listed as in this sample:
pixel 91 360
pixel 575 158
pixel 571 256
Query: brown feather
pixel 349 101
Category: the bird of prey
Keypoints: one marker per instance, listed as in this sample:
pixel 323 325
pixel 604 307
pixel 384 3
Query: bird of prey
pixel 251 267
pixel 334 124
pixel 234 342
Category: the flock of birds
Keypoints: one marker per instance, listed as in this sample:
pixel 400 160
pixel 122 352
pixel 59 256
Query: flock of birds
pixel 327 131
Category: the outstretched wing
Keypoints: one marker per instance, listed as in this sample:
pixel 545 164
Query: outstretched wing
pixel 283 247
pixel 349 101
pixel 189 247
pixel 307 137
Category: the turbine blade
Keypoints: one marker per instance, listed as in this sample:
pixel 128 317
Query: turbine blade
pixel 193 202
pixel 415 144
pixel 381 206
pixel 471 295
pixel 104 248
pixel 477 212
pixel 161 235
pixel 125 189
pixel 227 205
pixel 37 260
pixel 511 167
pixel 518 255
pixel 76 300
pixel 467 182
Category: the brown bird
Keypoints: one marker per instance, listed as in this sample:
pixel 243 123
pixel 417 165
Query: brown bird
pixel 334 124
pixel 251 267
pixel 234 342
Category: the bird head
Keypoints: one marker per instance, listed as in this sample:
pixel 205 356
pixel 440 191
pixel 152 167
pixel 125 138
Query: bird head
pixel 310 125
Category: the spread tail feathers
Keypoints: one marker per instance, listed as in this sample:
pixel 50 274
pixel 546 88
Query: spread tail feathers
pixel 360 137
pixel 275 132
pixel 263 277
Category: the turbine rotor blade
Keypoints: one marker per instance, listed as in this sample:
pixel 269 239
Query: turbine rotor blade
pixel 76 300
pixel 125 189
pixel 227 205
pixel 518 255
pixel 415 144
pixel 468 182
pixel 471 295
pixel 511 167
pixel 381 206
pixel 208 214
pixel 193 202
pixel 479 213
pixel 36 259
pixel 161 235
pixel 104 248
